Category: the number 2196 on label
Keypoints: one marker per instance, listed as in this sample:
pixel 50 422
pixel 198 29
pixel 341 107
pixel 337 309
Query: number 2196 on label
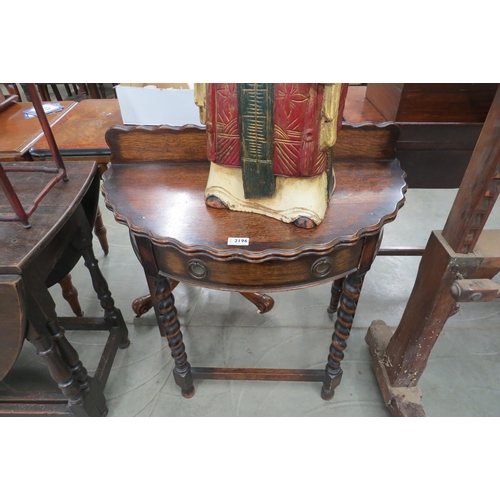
pixel 238 241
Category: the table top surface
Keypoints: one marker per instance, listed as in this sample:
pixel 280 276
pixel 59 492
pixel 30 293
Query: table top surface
pixel 18 134
pixel 166 202
pixel 19 245
pixel 81 133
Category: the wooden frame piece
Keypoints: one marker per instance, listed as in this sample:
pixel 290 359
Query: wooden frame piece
pixel 463 251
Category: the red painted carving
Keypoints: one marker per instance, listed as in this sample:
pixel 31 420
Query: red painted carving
pixel 297 119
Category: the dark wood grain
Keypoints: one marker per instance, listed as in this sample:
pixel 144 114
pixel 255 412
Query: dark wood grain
pixel 22 247
pixel 12 321
pixel 29 258
pixel 179 190
pixel 19 246
pixel 432 102
pixel 433 154
pixel 269 374
pixel 177 236
pixel 147 144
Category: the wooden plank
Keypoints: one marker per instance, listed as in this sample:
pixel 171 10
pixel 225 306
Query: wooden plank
pixel 269 374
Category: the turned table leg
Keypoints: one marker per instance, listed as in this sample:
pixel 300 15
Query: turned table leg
pixel 141 305
pixel 70 294
pixel 100 231
pixel 64 364
pixel 59 369
pixel 168 317
pixel 345 315
pixel 83 242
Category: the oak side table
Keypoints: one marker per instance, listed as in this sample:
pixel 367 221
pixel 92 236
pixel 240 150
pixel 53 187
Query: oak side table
pixel 177 237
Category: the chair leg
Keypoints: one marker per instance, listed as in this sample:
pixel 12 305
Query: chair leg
pixel 101 231
pixel 82 90
pixel 44 91
pixel 70 294
pixel 57 94
pixel 93 90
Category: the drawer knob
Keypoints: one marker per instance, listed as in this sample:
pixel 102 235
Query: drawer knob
pixel 322 267
pixel 198 269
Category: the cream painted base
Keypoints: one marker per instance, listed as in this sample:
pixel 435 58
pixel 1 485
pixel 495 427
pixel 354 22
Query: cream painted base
pixel 294 197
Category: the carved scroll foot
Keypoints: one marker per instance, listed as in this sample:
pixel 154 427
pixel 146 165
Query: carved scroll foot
pixel 214 202
pixel 263 302
pixel 304 222
pixel 141 305
pixel 70 294
pixel 168 317
pixel 345 316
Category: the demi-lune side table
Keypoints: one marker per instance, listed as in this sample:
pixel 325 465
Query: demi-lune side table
pixel 177 237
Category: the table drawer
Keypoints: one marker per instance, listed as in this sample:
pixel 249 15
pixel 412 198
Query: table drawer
pixel 237 274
